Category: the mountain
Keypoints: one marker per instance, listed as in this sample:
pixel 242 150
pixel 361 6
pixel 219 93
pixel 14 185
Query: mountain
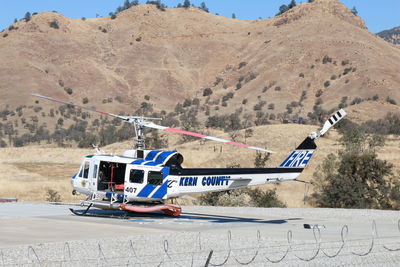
pixel 392 35
pixel 314 57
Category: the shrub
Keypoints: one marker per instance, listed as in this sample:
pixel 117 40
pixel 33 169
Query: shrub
pixel 375 98
pixel 319 93
pixel 301 75
pixel 139 39
pixel 68 90
pixel 244 101
pixel 147 97
pixel 87 141
pixel 347 70
pixel 207 92
pixel 227 96
pixel 54 24
pixel 53 195
pixel 104 30
pixel 259 105
pixel 303 97
pixel 261 159
pixel 5 35
pixel 85 100
pixel 345 62
pixel 391 100
pixel 187 103
pixel 326 84
pixel 326 59
pixel 251 77
pixel 356 101
pixel 195 101
pixel 278 88
pixel 318 101
pixel 242 64
pixel 238 86
pixel 242 197
pixel 333 77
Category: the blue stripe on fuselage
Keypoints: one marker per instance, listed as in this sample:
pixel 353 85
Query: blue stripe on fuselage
pixel 146 191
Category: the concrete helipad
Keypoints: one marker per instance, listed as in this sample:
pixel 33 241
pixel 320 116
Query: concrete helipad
pixel 30 223
pixel 35 224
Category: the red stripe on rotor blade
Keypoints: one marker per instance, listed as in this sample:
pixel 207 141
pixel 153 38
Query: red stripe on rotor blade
pixel 238 144
pixel 185 132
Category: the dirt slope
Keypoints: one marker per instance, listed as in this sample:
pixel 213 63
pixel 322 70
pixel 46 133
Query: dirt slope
pixel 392 35
pixel 174 54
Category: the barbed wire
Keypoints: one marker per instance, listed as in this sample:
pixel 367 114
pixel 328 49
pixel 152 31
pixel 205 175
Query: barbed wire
pixel 32 250
pixel 343 234
pixel 229 251
pixel 203 256
pixel 289 239
pixel 317 241
pixel 255 255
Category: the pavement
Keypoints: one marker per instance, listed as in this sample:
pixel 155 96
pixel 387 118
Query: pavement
pixel 41 224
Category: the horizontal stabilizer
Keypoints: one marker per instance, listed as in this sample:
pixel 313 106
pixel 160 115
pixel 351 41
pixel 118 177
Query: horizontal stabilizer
pixel 240 179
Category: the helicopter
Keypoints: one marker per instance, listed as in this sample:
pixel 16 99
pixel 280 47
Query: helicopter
pixel 142 180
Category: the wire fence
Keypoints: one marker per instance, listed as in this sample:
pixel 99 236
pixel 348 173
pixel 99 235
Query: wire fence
pixel 196 251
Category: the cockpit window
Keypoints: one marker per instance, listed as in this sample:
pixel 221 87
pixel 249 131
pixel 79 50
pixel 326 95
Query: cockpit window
pixel 155 178
pixel 136 176
pixel 86 169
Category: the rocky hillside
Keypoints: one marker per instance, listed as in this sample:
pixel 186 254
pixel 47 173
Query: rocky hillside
pixel 392 35
pixel 187 64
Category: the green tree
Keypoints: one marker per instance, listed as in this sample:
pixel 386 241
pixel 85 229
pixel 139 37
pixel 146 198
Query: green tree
pixel 355 177
pixel 283 9
pixel 354 11
pixel 204 7
pixel 186 4
pixel 292 4
pixel 27 16
pixel 87 141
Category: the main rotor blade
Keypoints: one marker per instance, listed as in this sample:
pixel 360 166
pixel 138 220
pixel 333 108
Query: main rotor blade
pixel 173 130
pixel 80 106
pixel 155 126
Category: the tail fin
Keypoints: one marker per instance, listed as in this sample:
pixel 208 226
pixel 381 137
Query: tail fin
pixel 300 157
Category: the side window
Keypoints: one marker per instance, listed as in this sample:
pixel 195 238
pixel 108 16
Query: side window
pixel 155 178
pixel 95 171
pixel 136 176
pixel 86 169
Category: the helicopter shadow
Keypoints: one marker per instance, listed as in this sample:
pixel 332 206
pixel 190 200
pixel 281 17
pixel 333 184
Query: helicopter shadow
pixel 189 217
pixel 212 218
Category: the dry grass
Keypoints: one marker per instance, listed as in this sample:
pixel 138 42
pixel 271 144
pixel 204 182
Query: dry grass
pixel 27 172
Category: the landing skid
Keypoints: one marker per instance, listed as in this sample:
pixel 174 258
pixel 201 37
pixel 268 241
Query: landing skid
pixel 81 213
pixel 168 209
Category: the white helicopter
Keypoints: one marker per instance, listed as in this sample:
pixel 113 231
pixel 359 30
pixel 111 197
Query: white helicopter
pixel 141 180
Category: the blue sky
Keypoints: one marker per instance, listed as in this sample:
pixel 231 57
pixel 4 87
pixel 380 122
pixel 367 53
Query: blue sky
pixel 378 15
